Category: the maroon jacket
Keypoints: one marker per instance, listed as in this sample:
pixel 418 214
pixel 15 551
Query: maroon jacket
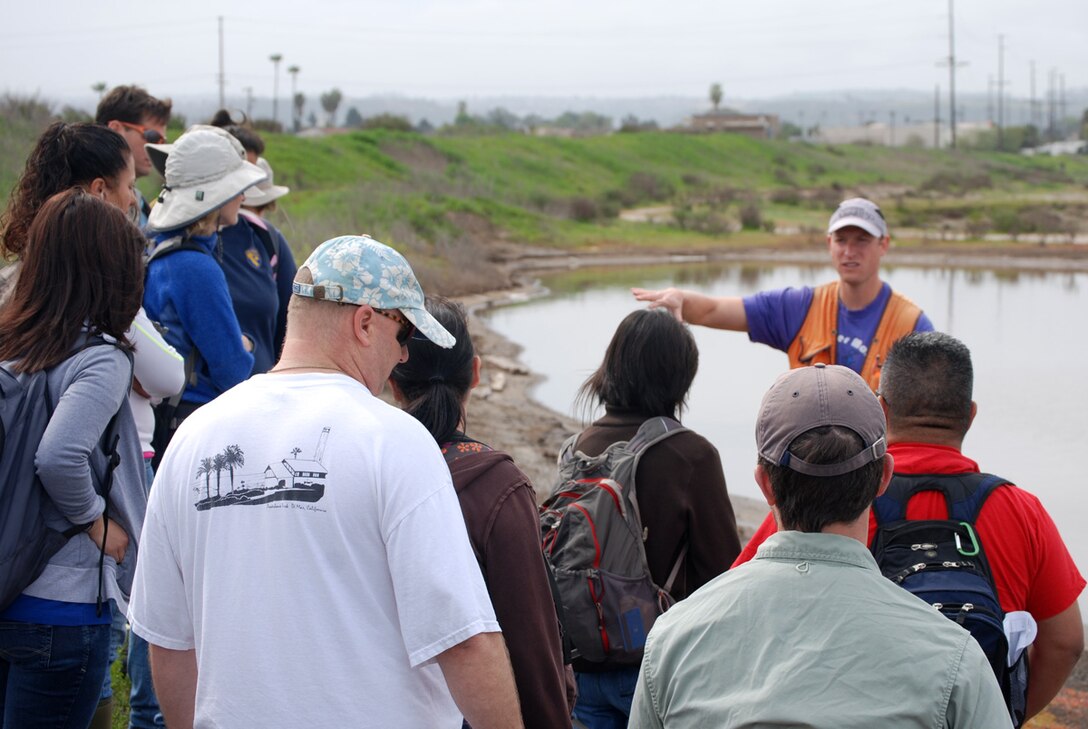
pixel 500 511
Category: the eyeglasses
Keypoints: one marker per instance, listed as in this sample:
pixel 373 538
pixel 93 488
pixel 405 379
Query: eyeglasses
pixel 150 135
pixel 407 328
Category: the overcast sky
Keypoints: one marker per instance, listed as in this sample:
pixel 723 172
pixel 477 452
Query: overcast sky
pixel 467 48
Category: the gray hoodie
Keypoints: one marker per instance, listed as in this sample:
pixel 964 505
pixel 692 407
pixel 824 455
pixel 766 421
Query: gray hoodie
pixel 86 390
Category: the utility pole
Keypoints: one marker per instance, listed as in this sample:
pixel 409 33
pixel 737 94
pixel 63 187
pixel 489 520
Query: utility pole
pixel 1033 108
pixel 952 72
pixel 1000 92
pixel 1062 117
pixel 275 58
pixel 990 99
pixel 937 116
pixel 891 115
pixel 295 121
pixel 222 76
pixel 1050 103
pixel 249 102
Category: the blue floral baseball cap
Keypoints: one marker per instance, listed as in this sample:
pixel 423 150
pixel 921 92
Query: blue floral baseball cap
pixel 356 269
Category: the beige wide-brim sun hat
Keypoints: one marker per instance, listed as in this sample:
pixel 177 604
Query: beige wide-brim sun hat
pixel 204 170
pixel 265 192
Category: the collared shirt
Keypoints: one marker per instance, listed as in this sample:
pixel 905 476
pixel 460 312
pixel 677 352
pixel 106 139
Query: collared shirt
pixel 809 634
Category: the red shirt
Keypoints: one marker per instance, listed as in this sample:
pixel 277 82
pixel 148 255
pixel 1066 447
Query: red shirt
pixel 1031 566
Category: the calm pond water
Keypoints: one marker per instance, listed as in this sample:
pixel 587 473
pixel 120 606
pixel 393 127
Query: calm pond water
pixel 1025 331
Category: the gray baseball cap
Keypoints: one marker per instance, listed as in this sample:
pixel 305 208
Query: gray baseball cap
pixel 812 397
pixel 861 213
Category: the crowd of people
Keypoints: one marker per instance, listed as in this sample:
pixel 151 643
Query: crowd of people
pixel 284 547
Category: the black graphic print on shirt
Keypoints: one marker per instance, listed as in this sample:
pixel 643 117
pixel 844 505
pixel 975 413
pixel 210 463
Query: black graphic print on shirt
pixel 221 482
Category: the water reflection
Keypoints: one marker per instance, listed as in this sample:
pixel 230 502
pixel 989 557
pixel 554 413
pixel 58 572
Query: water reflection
pixel 1023 329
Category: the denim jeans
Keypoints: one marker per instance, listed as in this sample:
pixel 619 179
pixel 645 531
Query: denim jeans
pixel 604 699
pixel 117 637
pixel 51 675
pixel 144 710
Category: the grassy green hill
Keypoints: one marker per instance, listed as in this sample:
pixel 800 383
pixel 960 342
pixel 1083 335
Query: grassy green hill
pixel 441 196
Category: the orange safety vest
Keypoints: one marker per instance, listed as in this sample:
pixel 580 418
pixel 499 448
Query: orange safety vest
pixel 815 342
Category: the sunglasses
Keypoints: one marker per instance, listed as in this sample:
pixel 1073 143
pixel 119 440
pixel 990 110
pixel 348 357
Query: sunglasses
pixel 407 328
pixel 150 135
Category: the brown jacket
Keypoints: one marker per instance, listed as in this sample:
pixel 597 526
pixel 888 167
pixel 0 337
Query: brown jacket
pixel 500 511
pixel 682 500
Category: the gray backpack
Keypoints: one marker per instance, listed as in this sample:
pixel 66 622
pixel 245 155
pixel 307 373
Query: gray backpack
pixel 26 542
pixel 592 536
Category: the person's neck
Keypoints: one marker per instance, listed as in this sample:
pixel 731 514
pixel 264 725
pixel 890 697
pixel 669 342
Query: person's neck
pixel 857 529
pixel 928 434
pixel 857 296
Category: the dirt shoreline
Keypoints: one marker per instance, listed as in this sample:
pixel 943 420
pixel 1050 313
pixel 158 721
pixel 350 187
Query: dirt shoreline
pixel 503 413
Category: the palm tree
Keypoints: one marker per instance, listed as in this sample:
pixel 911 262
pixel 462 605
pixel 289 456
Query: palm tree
pixel 205 469
pixel 219 462
pixel 716 96
pixel 234 456
pixel 295 451
pixel 99 87
pixel 330 102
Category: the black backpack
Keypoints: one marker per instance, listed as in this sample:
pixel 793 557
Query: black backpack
pixel 942 562
pixel 592 536
pixel 26 542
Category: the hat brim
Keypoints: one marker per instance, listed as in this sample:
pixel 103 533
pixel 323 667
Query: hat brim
pixel 862 223
pixel 158 153
pixel 179 207
pixel 428 326
pixel 257 196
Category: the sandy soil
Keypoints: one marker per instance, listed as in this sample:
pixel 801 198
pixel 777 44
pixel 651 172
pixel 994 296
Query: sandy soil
pixel 503 414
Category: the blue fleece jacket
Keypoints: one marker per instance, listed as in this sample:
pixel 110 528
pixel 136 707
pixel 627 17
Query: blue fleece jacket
pixel 259 295
pixel 187 293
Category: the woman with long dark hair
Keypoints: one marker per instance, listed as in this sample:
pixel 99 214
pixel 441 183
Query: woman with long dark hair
pixel 99 161
pixel 499 506
pixel 688 521
pixel 79 287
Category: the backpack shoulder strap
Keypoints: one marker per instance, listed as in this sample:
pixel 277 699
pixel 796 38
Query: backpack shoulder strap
pixel 173 245
pixel 964 494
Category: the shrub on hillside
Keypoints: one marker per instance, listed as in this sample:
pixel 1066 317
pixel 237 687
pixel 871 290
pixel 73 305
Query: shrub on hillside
pixel 649 186
pixel 390 122
pixel 786 196
pixel 751 217
pixel 584 209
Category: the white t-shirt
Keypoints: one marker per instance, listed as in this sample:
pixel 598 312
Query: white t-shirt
pixel 319 578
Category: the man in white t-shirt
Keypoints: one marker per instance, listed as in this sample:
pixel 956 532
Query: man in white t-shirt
pixel 305 562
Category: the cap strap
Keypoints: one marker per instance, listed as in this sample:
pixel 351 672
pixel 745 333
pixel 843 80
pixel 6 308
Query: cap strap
pixel 868 455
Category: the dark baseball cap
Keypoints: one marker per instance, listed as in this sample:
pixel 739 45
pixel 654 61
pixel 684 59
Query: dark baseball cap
pixel 813 397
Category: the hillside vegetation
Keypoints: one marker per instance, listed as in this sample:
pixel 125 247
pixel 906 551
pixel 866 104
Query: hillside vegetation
pixel 447 199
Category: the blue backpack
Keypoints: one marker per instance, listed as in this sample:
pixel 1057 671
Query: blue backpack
pixel 26 542
pixel 942 562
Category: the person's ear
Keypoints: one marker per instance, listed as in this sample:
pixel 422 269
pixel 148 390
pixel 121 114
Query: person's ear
pixel 97 187
pixel 971 418
pixel 886 474
pixel 476 361
pixel 763 480
pixel 362 324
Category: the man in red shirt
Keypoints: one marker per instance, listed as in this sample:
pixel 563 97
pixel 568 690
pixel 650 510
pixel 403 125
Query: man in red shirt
pixel 925 390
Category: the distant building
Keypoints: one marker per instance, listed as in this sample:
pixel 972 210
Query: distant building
pixel 1055 149
pixel 759 126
